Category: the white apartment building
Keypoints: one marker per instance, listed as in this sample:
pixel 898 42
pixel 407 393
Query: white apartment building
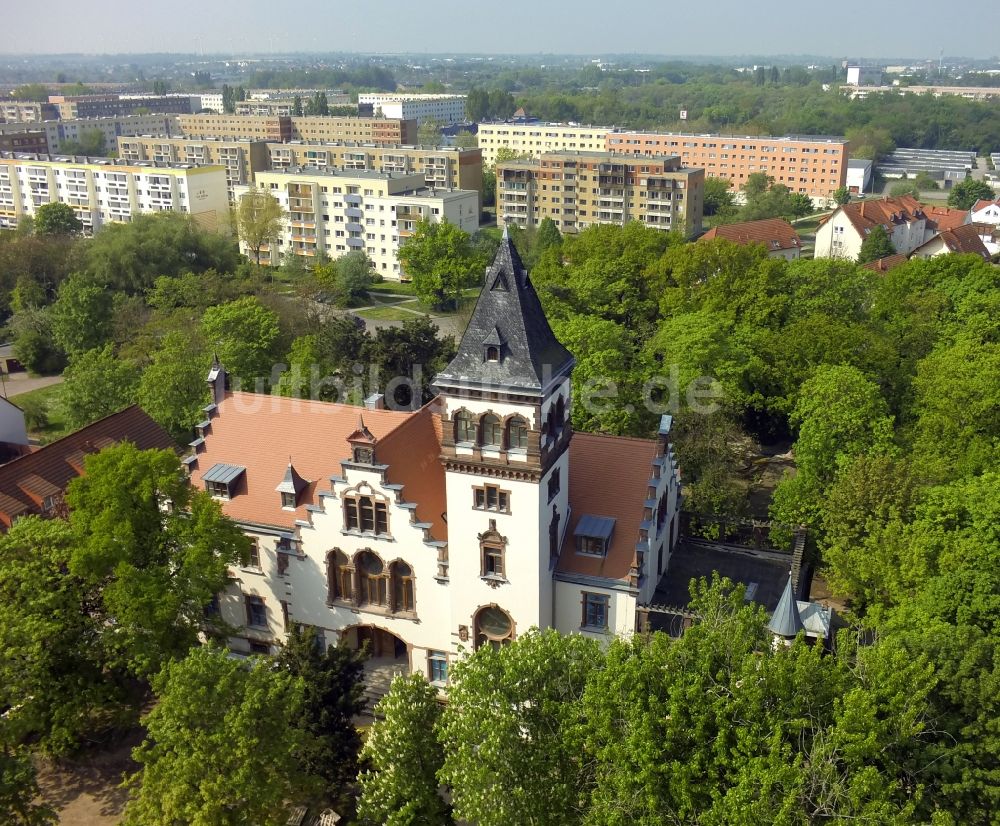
pixel 337 211
pixel 211 101
pixel 537 138
pixel 444 109
pixel 462 524
pixel 105 191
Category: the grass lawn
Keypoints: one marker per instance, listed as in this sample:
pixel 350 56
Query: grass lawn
pixel 399 287
pixel 44 399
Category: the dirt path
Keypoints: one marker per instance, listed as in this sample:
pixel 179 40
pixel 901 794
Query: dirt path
pixel 87 792
pixel 18 383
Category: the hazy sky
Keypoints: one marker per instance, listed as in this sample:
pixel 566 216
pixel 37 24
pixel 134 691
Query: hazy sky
pixel 846 28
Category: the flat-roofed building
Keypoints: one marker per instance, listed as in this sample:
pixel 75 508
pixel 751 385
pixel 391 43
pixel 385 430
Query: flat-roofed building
pixel 32 140
pixel 242 159
pixel 535 138
pixel 26 111
pixel 313 127
pixel 112 105
pixel 580 189
pixel 104 190
pixel 61 131
pixel 444 109
pixel 812 165
pixel 338 211
pixel 442 166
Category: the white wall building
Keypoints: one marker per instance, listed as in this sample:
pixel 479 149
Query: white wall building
pixel 337 211
pixel 985 212
pixel 444 109
pixel 211 101
pixel 102 190
pixel 461 524
pixel 859 175
pixel 536 139
pixel 864 75
pixel 842 233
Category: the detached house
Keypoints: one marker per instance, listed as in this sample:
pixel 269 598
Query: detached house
pixel 985 212
pixel 841 234
pixel 461 524
pixel 776 234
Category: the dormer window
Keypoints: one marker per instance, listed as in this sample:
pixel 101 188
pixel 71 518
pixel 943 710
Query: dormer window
pixel 493 353
pixel 364 455
pixel 288 500
pixel 593 534
pixel 291 487
pixel 221 479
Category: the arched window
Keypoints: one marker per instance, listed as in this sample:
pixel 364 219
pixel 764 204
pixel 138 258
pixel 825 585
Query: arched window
pixel 494 627
pixel 338 576
pixel 402 587
pixel 465 427
pixel 372 579
pixel 492 432
pixel 517 434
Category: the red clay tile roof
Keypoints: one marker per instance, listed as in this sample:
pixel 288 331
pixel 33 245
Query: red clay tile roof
pixel 608 476
pixel 26 481
pixel 883 211
pixel 963 239
pixel 413 452
pixel 946 218
pixel 887 263
pixel 261 432
pixel 774 233
pixel 982 203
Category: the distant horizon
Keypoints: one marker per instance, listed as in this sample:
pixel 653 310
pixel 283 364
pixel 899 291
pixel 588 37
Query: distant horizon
pixel 394 27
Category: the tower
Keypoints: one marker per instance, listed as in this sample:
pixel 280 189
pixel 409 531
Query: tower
pixel 505 401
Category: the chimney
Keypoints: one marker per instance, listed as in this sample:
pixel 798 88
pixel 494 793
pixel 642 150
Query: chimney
pixel 217 378
pixel 376 401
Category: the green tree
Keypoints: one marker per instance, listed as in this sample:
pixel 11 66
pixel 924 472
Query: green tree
pixel 871 142
pixel 259 220
pixel 165 563
pixel 875 245
pixel 96 384
pixel 333 695
pixel 401 788
pixel 489 187
pixel 477 104
pixel 242 333
pixel 221 744
pixel 441 261
pixel 130 257
pixel 546 237
pixel 965 193
pixel 841 195
pixel 57 219
pixel 511 730
pixel 53 683
pixel 297 106
pixel 505 153
pixel 717 197
pixel 19 791
pixel 429 133
pixel 347 278
pixel 904 187
pixel 172 388
pixel 925 182
pixel 90 142
pixel 81 315
pixel 412 350
pixel 34 345
pixel 466 140
pixel 37 92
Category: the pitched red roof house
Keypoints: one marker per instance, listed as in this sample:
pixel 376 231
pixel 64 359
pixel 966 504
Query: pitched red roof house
pixel 887 263
pixel 774 233
pixel 963 240
pixel 36 482
pixel 945 218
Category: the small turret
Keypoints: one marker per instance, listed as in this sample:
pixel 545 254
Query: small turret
pixel 786 622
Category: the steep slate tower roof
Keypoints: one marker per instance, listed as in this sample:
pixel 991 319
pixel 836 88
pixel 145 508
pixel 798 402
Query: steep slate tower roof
pixel 508 316
pixel 786 620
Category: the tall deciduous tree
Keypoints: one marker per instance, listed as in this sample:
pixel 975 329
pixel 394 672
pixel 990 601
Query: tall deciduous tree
pixel 19 791
pixel 259 220
pixel 242 333
pixel 333 695
pixel 172 388
pixel 402 749
pixel 965 193
pixel 441 260
pixel 221 744
pixel 81 315
pixel 96 384
pixel 157 549
pixel 511 731
pixel 57 219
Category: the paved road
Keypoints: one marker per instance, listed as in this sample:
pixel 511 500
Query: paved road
pixel 18 383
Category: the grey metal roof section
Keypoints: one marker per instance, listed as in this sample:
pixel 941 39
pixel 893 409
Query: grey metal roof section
pixel 599 527
pixel 292 483
pixel 220 472
pixel 786 621
pixel 508 312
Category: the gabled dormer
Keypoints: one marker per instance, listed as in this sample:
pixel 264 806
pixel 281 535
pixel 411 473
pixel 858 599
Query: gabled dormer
pixel 362 443
pixel 291 487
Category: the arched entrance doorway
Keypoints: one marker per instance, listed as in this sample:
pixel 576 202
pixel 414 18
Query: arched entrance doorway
pixel 388 655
